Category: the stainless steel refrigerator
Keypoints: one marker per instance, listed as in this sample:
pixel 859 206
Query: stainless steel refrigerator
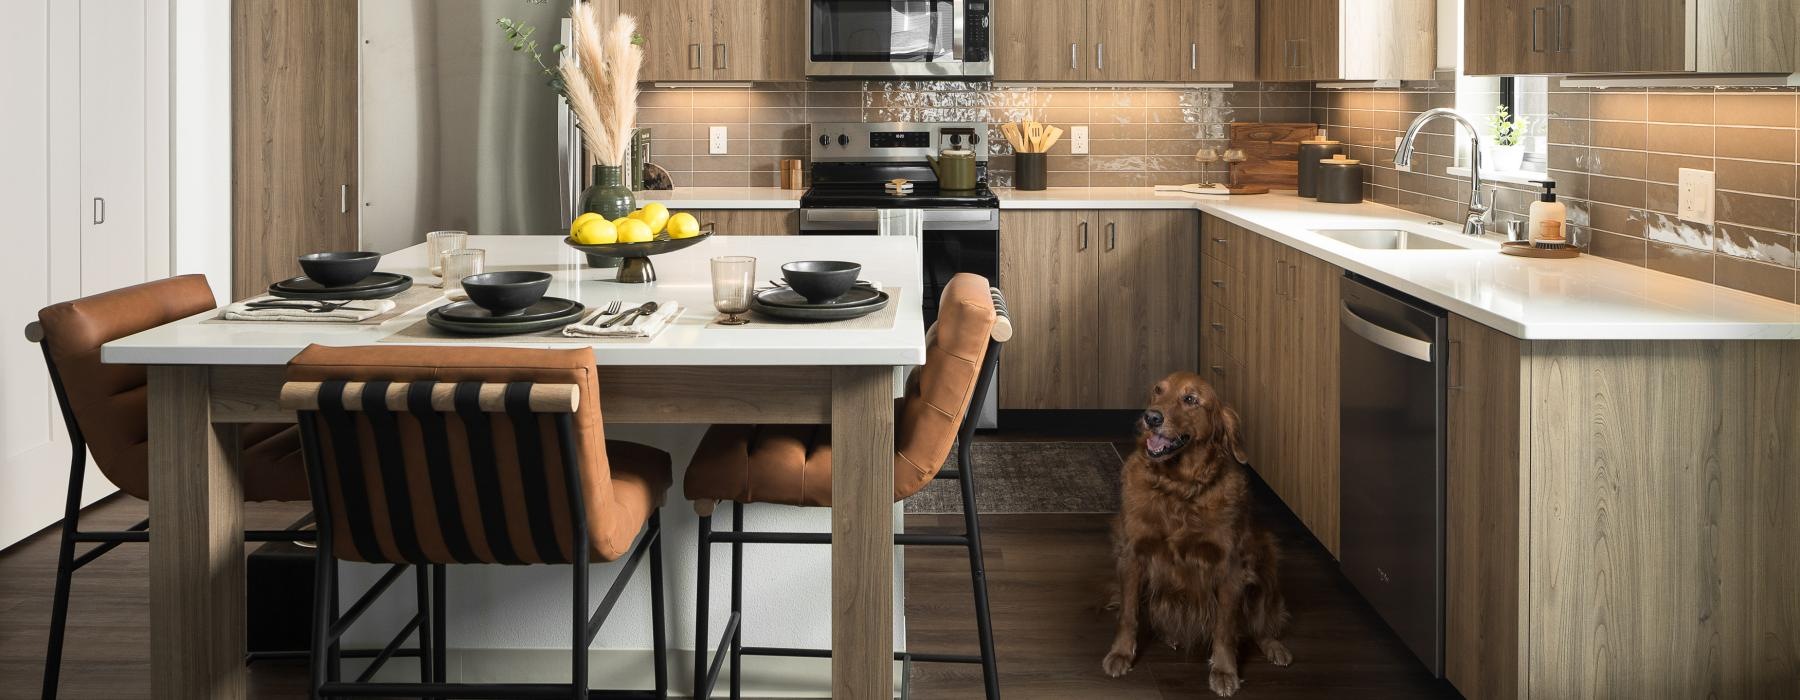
pixel 457 130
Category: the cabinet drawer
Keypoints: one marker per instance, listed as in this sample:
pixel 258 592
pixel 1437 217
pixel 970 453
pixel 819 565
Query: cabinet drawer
pixel 1226 331
pixel 1224 286
pixel 1226 377
pixel 1224 242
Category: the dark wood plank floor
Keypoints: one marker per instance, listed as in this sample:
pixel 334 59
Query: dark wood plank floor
pixel 1048 576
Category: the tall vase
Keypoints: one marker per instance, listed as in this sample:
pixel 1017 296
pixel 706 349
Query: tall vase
pixel 609 197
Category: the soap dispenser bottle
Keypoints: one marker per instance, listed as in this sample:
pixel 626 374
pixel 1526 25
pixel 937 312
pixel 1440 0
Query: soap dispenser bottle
pixel 1548 219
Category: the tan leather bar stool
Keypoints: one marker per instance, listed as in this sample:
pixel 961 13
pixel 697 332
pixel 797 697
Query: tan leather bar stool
pixel 104 408
pixel 427 456
pixel 791 465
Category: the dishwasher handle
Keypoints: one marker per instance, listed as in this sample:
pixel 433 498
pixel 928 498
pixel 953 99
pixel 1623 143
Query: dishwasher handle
pixel 1406 345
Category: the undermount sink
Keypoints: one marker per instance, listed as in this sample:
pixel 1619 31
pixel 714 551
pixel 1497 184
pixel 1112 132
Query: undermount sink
pixel 1393 239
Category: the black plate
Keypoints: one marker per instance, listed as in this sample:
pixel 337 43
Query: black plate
pixel 436 318
pixel 786 297
pixel 302 288
pixel 546 308
pixel 820 313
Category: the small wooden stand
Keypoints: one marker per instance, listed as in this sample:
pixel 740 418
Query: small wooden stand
pixel 1524 249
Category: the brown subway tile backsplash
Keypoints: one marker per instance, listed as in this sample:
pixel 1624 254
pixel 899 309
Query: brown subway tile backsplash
pixel 1616 155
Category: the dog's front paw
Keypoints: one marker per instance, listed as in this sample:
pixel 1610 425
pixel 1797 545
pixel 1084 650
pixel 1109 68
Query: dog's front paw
pixel 1277 653
pixel 1224 682
pixel 1117 662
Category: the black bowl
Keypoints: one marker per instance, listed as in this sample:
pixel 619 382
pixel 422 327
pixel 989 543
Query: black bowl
pixel 821 281
pixel 339 269
pixel 506 293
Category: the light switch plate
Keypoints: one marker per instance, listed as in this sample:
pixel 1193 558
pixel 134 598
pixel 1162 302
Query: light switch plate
pixel 717 140
pixel 1697 196
pixel 1078 140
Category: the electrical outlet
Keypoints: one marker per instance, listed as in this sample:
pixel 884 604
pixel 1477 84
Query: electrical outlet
pixel 1078 140
pixel 718 138
pixel 1697 196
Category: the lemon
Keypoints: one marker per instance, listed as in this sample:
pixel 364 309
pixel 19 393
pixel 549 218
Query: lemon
pixel 683 225
pixel 620 222
pixel 654 214
pixel 596 231
pixel 579 220
pixel 634 231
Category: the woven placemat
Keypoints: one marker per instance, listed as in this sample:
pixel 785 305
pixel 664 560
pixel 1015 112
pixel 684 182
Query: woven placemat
pixel 413 298
pixel 424 332
pixel 879 321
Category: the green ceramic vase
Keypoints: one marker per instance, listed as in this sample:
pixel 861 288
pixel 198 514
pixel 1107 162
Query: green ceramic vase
pixel 610 197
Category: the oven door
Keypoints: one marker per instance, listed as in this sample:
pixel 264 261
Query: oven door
pixel 877 38
pixel 950 241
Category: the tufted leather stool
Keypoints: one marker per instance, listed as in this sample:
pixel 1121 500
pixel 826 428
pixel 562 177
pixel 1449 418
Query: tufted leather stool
pixel 791 465
pixel 427 456
pixel 104 409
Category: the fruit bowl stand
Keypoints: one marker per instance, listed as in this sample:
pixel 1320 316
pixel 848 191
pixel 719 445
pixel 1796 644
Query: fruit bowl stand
pixel 636 268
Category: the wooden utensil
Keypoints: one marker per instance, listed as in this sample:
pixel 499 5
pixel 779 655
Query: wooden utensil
pixel 1034 137
pixel 1011 131
pixel 1050 138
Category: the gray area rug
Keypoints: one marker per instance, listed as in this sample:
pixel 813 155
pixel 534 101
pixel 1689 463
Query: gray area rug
pixel 1031 477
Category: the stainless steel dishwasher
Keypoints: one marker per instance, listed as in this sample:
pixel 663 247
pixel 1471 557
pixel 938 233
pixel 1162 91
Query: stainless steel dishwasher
pixel 1391 499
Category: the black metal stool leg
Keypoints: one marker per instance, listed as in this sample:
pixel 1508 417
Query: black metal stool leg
pixel 578 671
pixel 702 586
pixel 427 656
pixel 658 620
pixel 737 602
pixel 324 616
pixel 440 607
pixel 990 672
pixel 59 604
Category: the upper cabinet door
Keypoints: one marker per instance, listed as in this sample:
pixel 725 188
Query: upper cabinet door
pixel 1508 37
pixel 1299 40
pixel 1623 36
pixel 1040 40
pixel 1524 37
pixel 757 40
pixel 1122 49
pixel 677 37
pixel 1207 40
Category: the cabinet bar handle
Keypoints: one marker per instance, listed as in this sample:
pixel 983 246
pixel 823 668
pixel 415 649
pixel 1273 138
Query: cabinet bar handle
pixel 1074 56
pixel 1456 382
pixel 1084 232
pixel 693 57
pixel 343 199
pixel 1293 281
pixel 722 59
pixel 1100 56
pixel 1219 283
pixel 1565 27
pixel 1112 235
pixel 1218 326
pixel 1276 282
pixel 1194 56
pixel 99 210
pixel 1537 21
pixel 1218 370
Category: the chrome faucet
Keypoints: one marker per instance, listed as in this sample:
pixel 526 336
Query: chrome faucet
pixel 1479 209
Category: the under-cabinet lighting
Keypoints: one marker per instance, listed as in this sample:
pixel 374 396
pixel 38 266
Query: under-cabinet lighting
pixel 719 86
pixel 1126 86
pixel 1359 85
pixel 1684 80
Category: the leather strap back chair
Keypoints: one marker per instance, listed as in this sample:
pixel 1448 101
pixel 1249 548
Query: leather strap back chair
pixel 105 409
pixel 791 465
pixel 426 456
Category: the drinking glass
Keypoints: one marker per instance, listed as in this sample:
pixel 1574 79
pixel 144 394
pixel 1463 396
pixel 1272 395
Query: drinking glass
pixel 733 279
pixel 461 263
pixel 1206 157
pixel 1233 156
pixel 437 243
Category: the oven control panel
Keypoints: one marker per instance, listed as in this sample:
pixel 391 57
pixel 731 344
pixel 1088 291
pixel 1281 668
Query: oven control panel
pixel 894 141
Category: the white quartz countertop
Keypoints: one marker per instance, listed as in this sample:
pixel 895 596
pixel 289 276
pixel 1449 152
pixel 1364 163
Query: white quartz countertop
pixel 1587 298
pixel 724 198
pixel 684 276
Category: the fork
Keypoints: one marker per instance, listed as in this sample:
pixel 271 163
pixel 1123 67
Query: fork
pixel 612 307
pixel 323 307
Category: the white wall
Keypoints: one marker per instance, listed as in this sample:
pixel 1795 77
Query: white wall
pixel 200 167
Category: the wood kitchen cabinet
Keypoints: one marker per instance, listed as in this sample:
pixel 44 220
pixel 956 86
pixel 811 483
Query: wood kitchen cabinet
pixel 294 136
pixel 1113 301
pixel 749 222
pixel 743 40
pixel 1523 37
pixel 1334 40
pixel 1278 363
pixel 1124 40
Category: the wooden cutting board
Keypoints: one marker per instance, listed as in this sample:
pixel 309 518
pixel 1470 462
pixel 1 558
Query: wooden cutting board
pixel 1273 150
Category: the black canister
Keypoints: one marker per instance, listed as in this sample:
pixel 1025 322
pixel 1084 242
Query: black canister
pixel 1340 181
pixel 1031 175
pixel 1311 152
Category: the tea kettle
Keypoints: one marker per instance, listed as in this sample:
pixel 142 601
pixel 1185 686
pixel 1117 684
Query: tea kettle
pixel 955 168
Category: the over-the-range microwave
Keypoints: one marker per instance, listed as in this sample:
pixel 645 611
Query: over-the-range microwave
pixel 948 39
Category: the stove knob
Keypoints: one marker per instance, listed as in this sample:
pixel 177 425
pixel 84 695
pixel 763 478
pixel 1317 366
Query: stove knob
pixel 974 140
pixel 843 139
pixel 824 140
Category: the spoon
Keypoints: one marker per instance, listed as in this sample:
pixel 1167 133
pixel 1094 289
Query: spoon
pixel 648 307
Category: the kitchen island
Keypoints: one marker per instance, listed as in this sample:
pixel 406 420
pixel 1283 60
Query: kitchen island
pixel 205 379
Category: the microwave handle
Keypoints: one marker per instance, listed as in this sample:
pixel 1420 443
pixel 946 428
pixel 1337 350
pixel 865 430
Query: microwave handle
pixel 958 29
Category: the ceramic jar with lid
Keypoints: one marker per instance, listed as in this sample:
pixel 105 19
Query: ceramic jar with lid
pixel 1340 180
pixel 1311 152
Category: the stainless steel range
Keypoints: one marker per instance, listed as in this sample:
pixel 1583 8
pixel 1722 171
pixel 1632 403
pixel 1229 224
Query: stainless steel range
pixel 958 230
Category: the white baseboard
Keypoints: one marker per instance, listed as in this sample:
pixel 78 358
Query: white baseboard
pixel 764 677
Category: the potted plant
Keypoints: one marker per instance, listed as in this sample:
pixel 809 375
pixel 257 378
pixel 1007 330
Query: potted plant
pixel 598 78
pixel 1506 142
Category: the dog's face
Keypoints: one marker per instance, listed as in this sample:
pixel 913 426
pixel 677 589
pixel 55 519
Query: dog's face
pixel 1185 410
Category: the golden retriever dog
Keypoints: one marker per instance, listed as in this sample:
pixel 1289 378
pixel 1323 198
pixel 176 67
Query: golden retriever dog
pixel 1191 566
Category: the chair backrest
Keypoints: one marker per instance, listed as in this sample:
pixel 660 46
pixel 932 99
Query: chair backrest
pixel 111 400
pixel 941 394
pixel 464 455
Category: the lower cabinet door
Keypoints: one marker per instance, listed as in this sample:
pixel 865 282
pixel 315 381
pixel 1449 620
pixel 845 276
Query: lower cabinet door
pixel 1149 302
pixel 1047 271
